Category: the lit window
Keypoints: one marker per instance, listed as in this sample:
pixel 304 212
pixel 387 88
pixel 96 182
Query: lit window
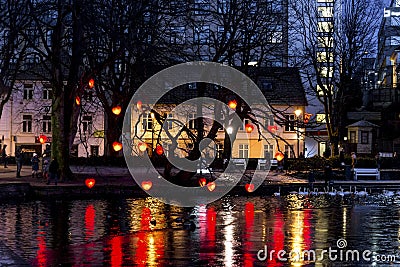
pixel 192 121
pixel 27 123
pixel 268 151
pixel 324 57
pixel 220 150
pixel 321 118
pixel 325 11
pixel 325 41
pixel 170 121
pixel 147 122
pixel 46 124
pixel 243 151
pixel 325 26
pixel 353 138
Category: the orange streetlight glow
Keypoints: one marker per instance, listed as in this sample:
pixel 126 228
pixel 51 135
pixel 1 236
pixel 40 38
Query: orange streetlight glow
pixel 78 100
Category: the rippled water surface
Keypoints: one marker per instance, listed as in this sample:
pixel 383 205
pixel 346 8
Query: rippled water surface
pixel 229 232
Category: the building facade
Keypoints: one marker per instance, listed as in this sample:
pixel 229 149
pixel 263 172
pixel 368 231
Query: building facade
pixel 27 119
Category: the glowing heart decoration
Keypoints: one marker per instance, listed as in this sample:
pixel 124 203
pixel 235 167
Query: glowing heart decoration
pixel 279 156
pixel 90 182
pixel 211 186
pixel 91 83
pixel 42 139
pixel 159 150
pixel 249 127
pixel 117 146
pixel 147 185
pixel 116 110
pixel 249 187
pixel 202 181
pixel 78 100
pixel 142 146
pixel 139 105
pixel 232 104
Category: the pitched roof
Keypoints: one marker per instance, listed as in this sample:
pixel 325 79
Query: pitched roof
pixel 362 124
pixel 280 86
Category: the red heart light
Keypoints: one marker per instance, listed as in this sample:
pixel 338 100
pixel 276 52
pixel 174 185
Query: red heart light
pixel 117 146
pixel 116 110
pixel 279 156
pixel 202 181
pixel 249 187
pixel 147 185
pixel 249 127
pixel 159 150
pixel 232 104
pixel 211 186
pixel 90 182
pixel 42 139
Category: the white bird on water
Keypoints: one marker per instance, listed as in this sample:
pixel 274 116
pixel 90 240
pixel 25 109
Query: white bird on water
pixel 278 194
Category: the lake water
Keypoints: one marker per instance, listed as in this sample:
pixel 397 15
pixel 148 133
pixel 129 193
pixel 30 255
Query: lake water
pixel 234 231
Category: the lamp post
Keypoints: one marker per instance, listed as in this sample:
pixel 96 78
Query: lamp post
pixel 152 132
pixel 298 112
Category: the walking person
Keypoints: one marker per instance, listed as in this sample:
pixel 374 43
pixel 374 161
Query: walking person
pixel 353 160
pixel 4 156
pixel 18 161
pixel 378 160
pixel 35 165
pixel 53 171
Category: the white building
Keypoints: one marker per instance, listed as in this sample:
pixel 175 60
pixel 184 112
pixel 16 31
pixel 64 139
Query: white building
pixel 27 116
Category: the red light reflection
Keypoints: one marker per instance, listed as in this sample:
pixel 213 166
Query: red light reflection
pixel 249 225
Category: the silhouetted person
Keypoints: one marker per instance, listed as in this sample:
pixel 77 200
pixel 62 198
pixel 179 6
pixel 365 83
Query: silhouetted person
pixel 35 165
pixel 53 171
pixel 18 160
pixel 4 156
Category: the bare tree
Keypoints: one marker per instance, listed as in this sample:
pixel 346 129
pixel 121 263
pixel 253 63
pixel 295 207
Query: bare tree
pixel 13 20
pixel 331 39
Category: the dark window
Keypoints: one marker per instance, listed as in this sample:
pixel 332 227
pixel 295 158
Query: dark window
pixel 289 123
pixel 27 123
pixel 364 137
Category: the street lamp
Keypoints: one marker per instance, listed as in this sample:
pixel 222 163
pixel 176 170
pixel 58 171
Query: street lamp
pixel 298 112
pixel 152 131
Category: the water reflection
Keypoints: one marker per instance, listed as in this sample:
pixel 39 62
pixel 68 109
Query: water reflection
pixel 229 232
